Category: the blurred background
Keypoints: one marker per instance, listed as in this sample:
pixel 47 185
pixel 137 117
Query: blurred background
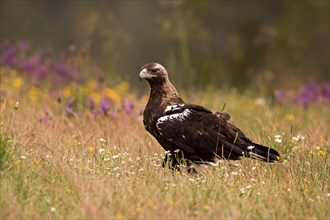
pixel 261 45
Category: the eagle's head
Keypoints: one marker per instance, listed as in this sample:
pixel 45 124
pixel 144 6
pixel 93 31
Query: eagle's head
pixel 153 72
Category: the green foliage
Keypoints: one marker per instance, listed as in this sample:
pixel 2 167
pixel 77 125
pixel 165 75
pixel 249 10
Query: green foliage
pixel 4 152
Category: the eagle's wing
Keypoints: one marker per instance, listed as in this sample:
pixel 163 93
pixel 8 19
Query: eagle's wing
pixel 197 130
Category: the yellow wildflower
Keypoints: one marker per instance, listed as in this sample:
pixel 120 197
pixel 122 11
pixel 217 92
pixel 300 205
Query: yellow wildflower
pixel 96 97
pixel 122 87
pixel 36 161
pixel 90 149
pixel 291 117
pixel 34 94
pixel 322 153
pixel 67 92
pixel 113 94
pixel 17 82
pixel 206 207
pixel 90 85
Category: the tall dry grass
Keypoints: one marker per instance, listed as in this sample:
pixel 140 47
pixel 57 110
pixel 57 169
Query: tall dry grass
pixel 87 168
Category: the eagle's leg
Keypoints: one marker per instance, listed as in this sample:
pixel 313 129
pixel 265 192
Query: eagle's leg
pixel 170 161
pixel 177 161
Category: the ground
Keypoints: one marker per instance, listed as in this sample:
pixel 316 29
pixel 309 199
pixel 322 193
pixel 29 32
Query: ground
pixel 62 160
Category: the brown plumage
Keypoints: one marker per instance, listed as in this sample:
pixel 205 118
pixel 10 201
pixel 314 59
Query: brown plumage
pixel 191 132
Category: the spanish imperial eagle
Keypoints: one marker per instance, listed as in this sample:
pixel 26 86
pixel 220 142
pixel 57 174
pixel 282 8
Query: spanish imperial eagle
pixel 191 132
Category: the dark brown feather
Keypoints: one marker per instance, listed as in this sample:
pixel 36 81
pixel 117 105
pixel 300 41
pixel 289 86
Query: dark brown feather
pixel 200 134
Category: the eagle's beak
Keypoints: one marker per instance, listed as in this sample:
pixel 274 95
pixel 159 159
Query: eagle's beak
pixel 142 74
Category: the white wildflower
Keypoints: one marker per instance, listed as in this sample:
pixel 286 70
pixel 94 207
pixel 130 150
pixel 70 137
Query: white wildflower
pixel 298 138
pixel 295 139
pixel 234 173
pixel 278 140
pixel 107 158
pixel 116 168
pixel 101 150
pixel 250 147
pixel 52 209
pixel 115 156
pixel 260 101
pixel 23 157
pixel 16 105
pixel 102 140
pixel 278 136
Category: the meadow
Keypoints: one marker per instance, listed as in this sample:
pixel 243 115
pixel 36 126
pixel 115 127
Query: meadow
pixel 73 149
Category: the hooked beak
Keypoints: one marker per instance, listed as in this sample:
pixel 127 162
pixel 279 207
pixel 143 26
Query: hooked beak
pixel 142 74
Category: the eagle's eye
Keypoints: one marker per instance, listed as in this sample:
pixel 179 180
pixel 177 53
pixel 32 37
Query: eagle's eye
pixel 154 70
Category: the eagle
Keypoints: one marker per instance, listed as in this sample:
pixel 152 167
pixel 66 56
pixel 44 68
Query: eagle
pixel 192 133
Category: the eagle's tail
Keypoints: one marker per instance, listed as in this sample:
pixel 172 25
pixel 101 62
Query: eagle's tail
pixel 263 153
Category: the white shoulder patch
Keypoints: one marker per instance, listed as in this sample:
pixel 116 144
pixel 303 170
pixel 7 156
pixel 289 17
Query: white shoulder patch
pixel 177 116
pixel 173 107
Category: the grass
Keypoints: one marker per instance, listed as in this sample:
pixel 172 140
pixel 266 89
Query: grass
pixel 81 167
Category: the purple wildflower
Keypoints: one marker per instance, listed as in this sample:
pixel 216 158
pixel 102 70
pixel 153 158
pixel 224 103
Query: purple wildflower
pixel 95 113
pixel 105 106
pixel 128 106
pixel 45 117
pixel 69 106
pixel 26 66
pixel 325 90
pixel 42 70
pixel 8 58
